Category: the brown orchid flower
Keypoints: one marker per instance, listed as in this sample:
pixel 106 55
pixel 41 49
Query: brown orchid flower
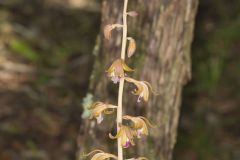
pixel 127 136
pixel 98 108
pixel 100 155
pixel 116 70
pixel 142 89
pixel 140 124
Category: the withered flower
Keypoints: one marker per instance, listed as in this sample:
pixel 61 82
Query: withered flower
pixel 100 155
pixel 132 13
pixel 131 47
pixel 140 124
pixel 108 30
pixel 126 134
pixel 116 70
pixel 98 108
pixel 142 89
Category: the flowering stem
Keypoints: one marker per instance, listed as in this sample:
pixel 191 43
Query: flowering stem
pixel 121 84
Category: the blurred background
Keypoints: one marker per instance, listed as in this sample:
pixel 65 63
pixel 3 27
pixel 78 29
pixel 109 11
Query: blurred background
pixel 46 60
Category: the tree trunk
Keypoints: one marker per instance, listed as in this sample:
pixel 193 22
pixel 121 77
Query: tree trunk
pixel 163 32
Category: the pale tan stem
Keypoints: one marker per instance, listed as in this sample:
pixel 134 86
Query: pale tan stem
pixel 119 118
pixel 121 84
pixel 124 38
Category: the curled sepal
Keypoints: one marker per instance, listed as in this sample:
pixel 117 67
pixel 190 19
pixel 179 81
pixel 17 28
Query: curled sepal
pixel 100 155
pixel 132 13
pixel 108 30
pixel 131 47
pixel 142 89
pixel 140 124
pixel 117 69
pixel 139 158
pixel 126 134
pixel 97 110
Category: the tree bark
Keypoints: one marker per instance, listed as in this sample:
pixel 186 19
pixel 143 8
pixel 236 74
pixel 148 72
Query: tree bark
pixel 163 32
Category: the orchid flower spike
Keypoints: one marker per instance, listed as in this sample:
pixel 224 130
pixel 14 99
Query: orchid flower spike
pixel 100 155
pixel 127 136
pixel 98 108
pixel 142 89
pixel 117 69
pixel 140 124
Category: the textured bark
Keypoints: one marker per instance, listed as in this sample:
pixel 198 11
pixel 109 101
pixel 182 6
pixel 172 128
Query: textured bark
pixel 163 31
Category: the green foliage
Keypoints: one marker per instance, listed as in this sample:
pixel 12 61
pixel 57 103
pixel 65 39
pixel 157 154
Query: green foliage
pixel 210 56
pixel 24 49
pixel 199 139
pixel 215 84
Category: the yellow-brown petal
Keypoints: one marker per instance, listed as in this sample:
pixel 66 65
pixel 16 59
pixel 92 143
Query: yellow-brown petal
pixel 142 88
pixel 98 108
pixel 147 122
pixel 103 156
pixel 126 134
pixel 125 67
pixel 120 132
pixel 139 123
pixel 100 155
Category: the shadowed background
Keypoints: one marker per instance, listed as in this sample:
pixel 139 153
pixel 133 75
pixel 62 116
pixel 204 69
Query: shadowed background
pixel 46 60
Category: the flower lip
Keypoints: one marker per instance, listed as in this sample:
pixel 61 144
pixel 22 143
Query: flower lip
pixel 99 118
pixel 127 144
pixel 139 132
